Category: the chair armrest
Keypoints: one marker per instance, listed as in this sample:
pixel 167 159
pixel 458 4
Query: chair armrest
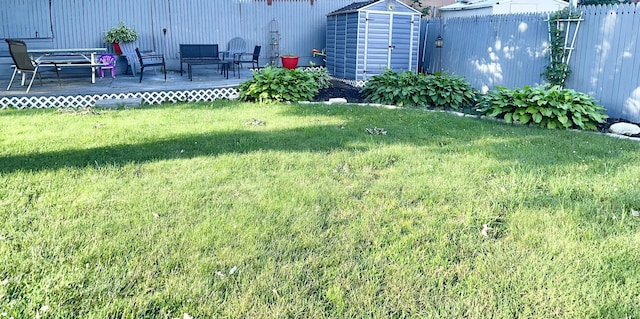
pixel 238 56
pixel 153 56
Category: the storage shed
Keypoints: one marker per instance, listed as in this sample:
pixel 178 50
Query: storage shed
pixel 367 38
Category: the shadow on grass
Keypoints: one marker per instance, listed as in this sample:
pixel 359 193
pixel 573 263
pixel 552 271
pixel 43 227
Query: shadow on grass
pixel 526 145
pixel 440 133
pixel 180 147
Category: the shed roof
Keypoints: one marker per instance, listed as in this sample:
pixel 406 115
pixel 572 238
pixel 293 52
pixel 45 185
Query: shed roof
pixel 354 6
pixel 373 5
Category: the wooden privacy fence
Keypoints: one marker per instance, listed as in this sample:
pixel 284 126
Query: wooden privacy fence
pixel 512 51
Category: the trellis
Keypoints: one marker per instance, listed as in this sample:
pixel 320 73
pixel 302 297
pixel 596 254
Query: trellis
pixel 565 24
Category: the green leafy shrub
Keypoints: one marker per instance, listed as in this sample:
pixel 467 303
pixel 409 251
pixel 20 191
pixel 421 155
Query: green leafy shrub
pixel 120 33
pixel 272 85
pixel 546 105
pixel 445 89
pixel 323 78
pixel 408 88
pixel 321 75
pixel 393 88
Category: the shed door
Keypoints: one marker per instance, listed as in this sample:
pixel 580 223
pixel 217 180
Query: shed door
pixel 401 43
pixel 376 43
pixel 388 43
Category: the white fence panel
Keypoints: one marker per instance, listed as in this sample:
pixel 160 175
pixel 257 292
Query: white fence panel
pixel 512 51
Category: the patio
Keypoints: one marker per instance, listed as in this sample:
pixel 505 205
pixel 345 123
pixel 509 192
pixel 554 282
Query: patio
pixel 77 91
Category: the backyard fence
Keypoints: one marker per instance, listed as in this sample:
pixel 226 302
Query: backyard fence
pixel 512 51
pixel 164 24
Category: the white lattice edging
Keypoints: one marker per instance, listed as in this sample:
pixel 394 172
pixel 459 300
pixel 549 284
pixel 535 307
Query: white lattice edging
pixel 355 83
pixel 42 102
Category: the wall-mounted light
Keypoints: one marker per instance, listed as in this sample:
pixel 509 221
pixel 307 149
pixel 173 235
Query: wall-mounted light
pixel 439 42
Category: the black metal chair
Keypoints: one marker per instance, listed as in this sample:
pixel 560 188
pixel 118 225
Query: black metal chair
pixel 238 59
pixel 151 60
pixel 24 64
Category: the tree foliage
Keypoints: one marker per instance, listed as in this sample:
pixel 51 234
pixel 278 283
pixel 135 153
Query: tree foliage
pixel 424 10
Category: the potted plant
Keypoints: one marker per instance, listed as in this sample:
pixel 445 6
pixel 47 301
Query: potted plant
pixel 120 33
pixel 289 61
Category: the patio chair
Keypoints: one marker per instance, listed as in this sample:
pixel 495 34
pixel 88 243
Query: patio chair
pixel 236 46
pixel 24 64
pixel 151 60
pixel 255 56
pixel 129 51
pixel 109 62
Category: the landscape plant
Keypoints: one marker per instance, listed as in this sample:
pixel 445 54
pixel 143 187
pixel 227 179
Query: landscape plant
pixel 546 105
pixel 321 76
pixel 229 209
pixel 558 70
pixel 120 33
pixel 441 90
pixel 272 84
pixel 449 91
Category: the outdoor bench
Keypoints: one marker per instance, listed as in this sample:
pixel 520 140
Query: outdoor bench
pixel 199 54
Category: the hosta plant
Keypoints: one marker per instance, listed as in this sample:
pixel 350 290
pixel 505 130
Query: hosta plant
pixel 396 88
pixel 321 75
pixel 546 105
pixel 444 89
pixel 410 89
pixel 272 85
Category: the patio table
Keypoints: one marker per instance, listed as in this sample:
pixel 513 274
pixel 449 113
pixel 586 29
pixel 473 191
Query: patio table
pixel 69 57
pixel 225 64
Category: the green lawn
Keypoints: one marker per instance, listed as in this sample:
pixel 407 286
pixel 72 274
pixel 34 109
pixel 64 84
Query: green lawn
pixel 192 209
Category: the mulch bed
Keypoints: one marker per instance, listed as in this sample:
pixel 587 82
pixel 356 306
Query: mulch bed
pixel 352 94
pixel 340 89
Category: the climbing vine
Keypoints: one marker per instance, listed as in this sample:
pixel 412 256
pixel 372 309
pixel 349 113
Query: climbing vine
pixel 558 71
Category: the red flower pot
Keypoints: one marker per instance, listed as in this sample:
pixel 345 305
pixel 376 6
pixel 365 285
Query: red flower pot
pixel 116 47
pixel 289 62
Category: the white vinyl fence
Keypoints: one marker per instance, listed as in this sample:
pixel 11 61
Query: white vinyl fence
pixel 511 51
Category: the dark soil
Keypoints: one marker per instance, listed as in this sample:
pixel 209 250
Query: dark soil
pixel 352 94
pixel 340 89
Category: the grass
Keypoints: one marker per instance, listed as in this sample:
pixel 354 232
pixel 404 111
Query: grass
pixel 190 209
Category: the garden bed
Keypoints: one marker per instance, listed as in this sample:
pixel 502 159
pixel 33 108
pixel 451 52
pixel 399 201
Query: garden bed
pixel 353 94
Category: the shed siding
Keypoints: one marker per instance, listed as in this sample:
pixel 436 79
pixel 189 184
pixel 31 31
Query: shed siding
pixel 351 53
pixel 332 29
pixel 340 45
